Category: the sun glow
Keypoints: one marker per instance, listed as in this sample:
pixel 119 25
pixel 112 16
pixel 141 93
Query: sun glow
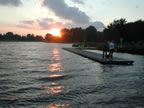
pixel 55 32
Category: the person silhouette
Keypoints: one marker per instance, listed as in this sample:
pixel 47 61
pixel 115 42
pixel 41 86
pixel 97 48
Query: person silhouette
pixel 105 49
pixel 111 48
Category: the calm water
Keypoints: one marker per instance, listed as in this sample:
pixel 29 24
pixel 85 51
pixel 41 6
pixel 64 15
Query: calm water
pixel 42 75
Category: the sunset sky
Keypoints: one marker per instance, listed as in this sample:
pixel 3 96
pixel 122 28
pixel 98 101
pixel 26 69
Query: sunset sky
pixel 40 16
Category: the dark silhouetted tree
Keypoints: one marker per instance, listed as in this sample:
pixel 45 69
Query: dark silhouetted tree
pixel 66 35
pixel 91 34
pixel 115 30
pixel 48 37
pixel 9 36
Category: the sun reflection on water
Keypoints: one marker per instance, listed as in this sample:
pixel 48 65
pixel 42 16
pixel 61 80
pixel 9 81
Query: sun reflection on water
pixel 53 88
pixel 55 76
pixel 57 66
pixel 53 84
pixel 56 52
pixel 58 106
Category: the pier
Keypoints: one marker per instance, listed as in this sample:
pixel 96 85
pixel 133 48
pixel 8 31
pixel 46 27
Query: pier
pixel 98 57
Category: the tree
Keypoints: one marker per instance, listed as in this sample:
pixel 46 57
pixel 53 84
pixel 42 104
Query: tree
pixel 39 38
pixel 48 37
pixel 115 30
pixel 1 37
pixel 91 33
pixel 30 37
pixel 77 34
pixel 66 35
pixel 9 36
pixel 134 31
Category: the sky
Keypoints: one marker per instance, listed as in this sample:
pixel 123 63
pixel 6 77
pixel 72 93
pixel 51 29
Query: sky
pixel 40 16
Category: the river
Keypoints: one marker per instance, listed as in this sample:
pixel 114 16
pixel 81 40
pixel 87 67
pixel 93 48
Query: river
pixel 43 75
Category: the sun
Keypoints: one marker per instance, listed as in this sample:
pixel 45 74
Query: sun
pixel 55 32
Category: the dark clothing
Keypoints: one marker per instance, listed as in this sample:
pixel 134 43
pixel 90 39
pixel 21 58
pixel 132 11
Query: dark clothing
pixel 105 49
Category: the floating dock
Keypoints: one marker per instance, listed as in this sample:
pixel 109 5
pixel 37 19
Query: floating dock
pixel 99 58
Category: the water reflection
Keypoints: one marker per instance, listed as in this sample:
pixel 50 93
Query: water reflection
pixel 57 66
pixel 55 76
pixel 56 52
pixel 53 88
pixel 58 106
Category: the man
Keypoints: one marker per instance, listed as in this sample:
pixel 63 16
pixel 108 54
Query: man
pixel 111 49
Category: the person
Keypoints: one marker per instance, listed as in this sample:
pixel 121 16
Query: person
pixel 111 49
pixel 105 49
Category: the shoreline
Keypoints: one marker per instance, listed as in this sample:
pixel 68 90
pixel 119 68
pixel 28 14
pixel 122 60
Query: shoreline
pixel 136 52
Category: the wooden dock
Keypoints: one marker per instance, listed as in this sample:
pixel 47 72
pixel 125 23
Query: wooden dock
pixel 99 58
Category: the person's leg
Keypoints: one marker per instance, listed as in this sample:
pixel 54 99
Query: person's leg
pixel 108 54
pixel 103 54
pixel 112 53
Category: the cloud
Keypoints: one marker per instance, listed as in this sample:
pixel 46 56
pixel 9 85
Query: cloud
pixel 62 10
pixel 30 22
pixel 48 19
pixel 78 1
pixel 99 25
pixel 43 24
pixel 49 23
pixel 21 26
pixel 10 2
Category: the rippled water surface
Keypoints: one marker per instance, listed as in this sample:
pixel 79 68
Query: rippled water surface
pixel 43 75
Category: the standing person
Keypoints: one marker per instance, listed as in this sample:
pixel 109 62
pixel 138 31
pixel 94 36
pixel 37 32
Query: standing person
pixel 105 49
pixel 111 49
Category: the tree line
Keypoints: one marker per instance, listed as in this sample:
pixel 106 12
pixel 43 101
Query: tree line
pixel 130 32
pixel 10 36
pixel 118 29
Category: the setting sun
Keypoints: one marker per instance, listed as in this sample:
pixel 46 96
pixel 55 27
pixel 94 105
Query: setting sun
pixel 55 32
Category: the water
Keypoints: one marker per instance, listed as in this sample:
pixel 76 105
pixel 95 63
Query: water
pixel 42 75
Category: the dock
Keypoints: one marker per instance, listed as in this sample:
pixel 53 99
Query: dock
pixel 98 57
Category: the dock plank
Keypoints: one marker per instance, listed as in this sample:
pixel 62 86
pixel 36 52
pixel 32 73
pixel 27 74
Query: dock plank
pixel 98 57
